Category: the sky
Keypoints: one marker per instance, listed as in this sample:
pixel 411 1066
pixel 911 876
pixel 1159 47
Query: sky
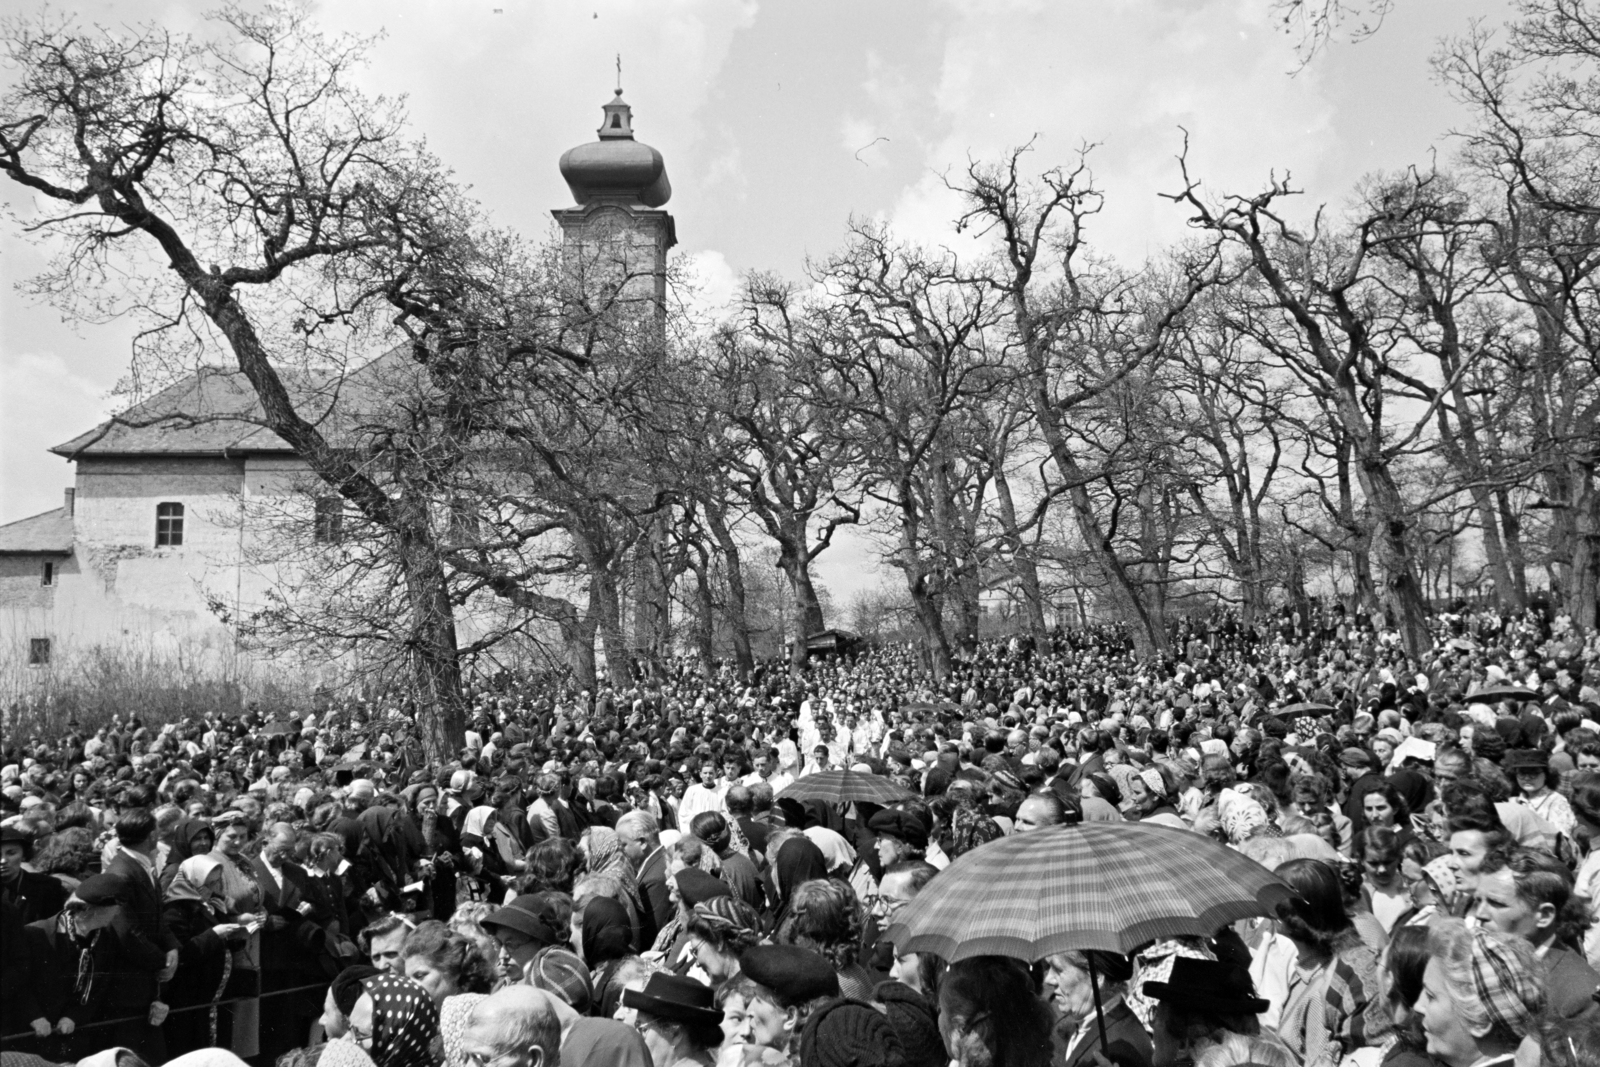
pixel 781 119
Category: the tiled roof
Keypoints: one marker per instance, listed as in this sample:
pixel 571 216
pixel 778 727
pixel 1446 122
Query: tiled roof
pixel 49 534
pixel 214 411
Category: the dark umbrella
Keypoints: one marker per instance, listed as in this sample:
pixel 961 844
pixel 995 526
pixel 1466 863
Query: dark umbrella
pixel 1503 692
pixel 846 787
pixel 1307 708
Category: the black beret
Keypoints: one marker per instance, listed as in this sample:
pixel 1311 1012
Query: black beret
pixel 698 887
pixel 795 975
pixel 901 825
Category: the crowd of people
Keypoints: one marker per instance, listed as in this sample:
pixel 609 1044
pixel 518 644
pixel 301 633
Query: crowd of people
pixel 617 877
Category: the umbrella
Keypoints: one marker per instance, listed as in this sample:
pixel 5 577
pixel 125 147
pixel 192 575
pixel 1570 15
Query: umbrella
pixel 1308 708
pixel 1503 692
pixel 273 728
pixel 1464 644
pixel 1108 886
pixel 845 787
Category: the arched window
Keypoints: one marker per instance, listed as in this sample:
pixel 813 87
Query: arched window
pixel 169 525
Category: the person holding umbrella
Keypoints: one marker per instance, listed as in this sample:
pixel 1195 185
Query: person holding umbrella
pixel 1071 988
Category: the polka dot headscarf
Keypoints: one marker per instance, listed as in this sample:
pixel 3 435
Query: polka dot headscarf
pixel 404 1022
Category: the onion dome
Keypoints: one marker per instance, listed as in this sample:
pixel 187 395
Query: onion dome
pixel 616 168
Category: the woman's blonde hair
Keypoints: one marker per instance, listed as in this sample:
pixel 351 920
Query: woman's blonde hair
pixel 1236 1050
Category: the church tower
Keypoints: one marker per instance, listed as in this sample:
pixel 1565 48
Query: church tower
pixel 618 227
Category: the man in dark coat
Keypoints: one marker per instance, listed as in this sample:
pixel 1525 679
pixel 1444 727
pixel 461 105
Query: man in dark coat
pixel 35 896
pixel 149 951
pixel 293 942
pixel 74 968
pixel 640 836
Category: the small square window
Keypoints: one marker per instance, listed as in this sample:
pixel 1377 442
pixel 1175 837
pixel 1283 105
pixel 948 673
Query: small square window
pixel 38 651
pixel 48 577
pixel 169 525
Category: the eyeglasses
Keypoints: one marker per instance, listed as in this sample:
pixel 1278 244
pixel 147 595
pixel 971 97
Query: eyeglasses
pixel 877 902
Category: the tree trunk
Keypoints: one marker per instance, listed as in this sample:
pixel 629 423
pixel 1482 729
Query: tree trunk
pixel 735 611
pixel 705 614
pixel 435 662
pixel 807 608
pixel 577 639
pixel 1023 566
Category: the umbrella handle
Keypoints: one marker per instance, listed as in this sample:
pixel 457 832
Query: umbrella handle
pixel 1099 1014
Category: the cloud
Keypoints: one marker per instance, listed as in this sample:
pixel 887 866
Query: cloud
pixel 1125 80
pixel 711 283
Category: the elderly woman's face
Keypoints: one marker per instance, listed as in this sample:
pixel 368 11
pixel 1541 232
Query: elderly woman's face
pixel 231 841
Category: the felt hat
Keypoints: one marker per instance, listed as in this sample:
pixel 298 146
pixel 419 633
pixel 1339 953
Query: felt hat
pixel 676 998
pixel 1208 985
pixel 795 975
pixel 100 889
pixel 1355 757
pixel 530 914
pixel 900 825
pixel 1527 759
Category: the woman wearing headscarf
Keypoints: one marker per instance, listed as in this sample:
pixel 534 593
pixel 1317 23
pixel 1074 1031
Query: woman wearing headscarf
pixel 213 957
pixel 395 1022
pixel 798 860
pixel 602 849
pixel 492 849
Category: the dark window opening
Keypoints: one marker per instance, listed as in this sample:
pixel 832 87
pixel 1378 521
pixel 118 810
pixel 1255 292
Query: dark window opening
pixel 49 575
pixel 616 122
pixel 327 524
pixel 38 651
pixel 169 525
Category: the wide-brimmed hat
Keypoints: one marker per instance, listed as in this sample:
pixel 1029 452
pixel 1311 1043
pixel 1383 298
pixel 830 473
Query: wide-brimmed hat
pixel 675 998
pixel 529 914
pixel 1208 985
pixel 1527 759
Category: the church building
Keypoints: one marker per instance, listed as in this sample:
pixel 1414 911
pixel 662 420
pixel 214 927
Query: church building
pixel 150 554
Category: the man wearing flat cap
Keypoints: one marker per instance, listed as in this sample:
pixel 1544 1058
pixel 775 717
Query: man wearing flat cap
pixel 73 960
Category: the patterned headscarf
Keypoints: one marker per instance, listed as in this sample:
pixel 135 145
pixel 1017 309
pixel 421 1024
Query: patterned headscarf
pixel 605 857
pixel 453 1016
pixel 404 1022
pixel 1511 991
pixel 970 828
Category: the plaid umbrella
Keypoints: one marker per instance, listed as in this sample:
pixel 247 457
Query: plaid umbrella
pixel 845 787
pixel 1306 708
pixel 1109 886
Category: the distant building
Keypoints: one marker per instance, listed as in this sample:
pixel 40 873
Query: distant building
pixel 155 550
